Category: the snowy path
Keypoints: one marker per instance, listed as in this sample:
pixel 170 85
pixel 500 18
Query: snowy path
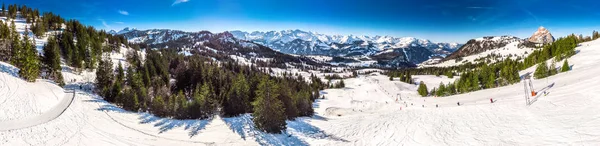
pixel 39 119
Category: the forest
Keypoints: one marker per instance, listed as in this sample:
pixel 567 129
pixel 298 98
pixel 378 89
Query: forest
pixel 163 81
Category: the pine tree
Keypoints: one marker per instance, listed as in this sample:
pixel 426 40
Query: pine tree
pixel 29 63
pixel 158 106
pixel 51 61
pixel 104 78
pixel 441 90
pixel 473 83
pixel 17 48
pixel 268 110
pixel 238 100
pixel 304 103
pixel 565 67
pixel 422 89
pixel 38 29
pixel 117 87
pixel 202 104
pixel 541 71
pixel 285 95
pixel 491 80
pixel 120 73
pixel 449 74
pixel 552 69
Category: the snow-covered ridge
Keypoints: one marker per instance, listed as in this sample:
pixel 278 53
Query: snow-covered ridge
pixel 379 42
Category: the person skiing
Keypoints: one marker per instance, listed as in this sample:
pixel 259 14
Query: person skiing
pixel 436 106
pixel 491 100
pixel 458 103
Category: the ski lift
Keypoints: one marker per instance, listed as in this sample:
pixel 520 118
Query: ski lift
pixel 528 88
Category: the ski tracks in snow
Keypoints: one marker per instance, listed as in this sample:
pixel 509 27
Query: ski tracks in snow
pixel 38 119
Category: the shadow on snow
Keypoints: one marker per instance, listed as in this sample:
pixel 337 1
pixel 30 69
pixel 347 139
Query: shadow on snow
pixel 296 129
pixel 163 124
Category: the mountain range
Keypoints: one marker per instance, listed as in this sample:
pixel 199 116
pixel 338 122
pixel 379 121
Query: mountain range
pixel 386 51
pixel 310 43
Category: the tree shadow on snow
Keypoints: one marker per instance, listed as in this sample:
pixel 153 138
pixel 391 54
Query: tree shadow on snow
pixel 9 69
pixel 166 124
pixel 243 126
pixel 302 127
pixel 112 108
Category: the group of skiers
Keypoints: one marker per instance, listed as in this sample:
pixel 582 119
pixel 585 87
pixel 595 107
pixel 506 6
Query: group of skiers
pixel 436 105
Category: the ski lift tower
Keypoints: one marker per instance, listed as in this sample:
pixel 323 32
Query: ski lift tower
pixel 528 88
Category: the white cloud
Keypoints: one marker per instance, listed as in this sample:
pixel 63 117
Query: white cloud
pixel 104 23
pixel 122 12
pixel 119 22
pixel 179 1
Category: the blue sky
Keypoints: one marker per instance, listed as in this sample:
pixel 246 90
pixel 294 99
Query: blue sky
pixel 437 20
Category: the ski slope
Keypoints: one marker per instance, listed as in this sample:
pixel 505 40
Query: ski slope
pixel 567 115
pixel 370 110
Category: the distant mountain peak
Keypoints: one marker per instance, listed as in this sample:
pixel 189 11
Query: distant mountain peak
pixel 124 30
pixel 541 36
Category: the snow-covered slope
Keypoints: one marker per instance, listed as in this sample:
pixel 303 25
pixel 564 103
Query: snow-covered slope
pixel 366 112
pixel 485 49
pixel 512 50
pixel 20 99
pixel 371 110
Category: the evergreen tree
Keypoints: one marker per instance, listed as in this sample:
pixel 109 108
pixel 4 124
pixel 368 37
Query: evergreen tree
pixel 29 68
pixel 449 74
pixel 304 103
pixel 286 97
pixel 202 105
pixel 51 61
pixel 475 83
pixel 118 85
pixel 565 67
pixel 441 90
pixel 236 102
pixel 491 80
pixel 422 89
pixel 104 78
pixel 158 106
pixel 38 29
pixel 268 110
pixel 541 71
pixel 17 48
pixel 552 69
pixel 120 73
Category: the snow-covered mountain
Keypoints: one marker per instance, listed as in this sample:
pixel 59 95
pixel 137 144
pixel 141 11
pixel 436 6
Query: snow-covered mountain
pixel 124 30
pixel 219 46
pixel 310 43
pixel 475 46
pixel 384 50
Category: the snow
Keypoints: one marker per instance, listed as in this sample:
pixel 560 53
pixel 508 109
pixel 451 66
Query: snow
pixel 370 110
pixel 366 113
pixel 20 99
pixel 511 49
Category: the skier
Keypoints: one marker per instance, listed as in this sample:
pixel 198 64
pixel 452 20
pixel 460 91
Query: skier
pixel 436 106
pixel 491 100
pixel 458 103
